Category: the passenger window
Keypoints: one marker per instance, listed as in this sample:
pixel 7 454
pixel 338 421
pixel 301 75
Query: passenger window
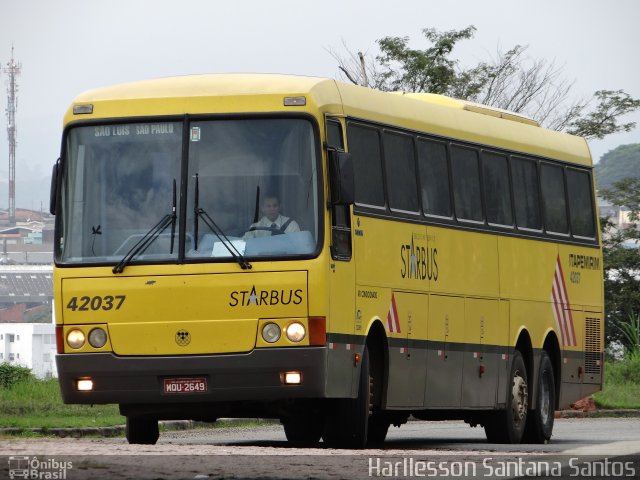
pixel 553 199
pixel 580 203
pixel 401 172
pixel 466 184
pixel 525 188
pixel 497 189
pixel 364 146
pixel 434 178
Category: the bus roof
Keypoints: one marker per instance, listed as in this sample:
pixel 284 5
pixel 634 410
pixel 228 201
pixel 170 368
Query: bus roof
pixel 244 93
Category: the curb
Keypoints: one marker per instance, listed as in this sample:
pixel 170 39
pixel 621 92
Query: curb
pixel 621 413
pixel 80 432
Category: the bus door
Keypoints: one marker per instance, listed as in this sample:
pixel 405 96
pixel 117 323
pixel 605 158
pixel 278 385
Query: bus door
pixel 341 289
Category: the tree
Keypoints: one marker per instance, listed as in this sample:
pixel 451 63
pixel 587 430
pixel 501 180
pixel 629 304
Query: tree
pixel 621 261
pixel 617 164
pixel 430 70
pixel 512 81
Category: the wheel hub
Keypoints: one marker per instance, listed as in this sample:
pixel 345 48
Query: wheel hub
pixel 519 398
pixel 544 399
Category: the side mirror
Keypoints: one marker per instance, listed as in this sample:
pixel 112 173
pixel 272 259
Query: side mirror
pixel 341 178
pixel 53 195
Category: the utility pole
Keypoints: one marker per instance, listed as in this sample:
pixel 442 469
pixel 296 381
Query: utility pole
pixel 12 69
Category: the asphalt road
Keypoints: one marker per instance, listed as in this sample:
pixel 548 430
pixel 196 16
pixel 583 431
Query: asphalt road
pixel 417 449
pixel 568 434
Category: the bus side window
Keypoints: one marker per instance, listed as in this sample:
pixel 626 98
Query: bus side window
pixel 400 169
pixel 497 189
pixel 364 146
pixel 466 184
pixel 434 178
pixel 580 203
pixel 527 199
pixel 553 199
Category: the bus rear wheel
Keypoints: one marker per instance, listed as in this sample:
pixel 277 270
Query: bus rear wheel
pixel 347 422
pixel 507 426
pixel 142 430
pixel 540 421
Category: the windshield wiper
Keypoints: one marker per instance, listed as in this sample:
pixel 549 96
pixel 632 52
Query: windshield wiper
pixel 213 226
pixel 148 238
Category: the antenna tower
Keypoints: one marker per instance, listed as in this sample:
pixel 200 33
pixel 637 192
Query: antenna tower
pixel 12 69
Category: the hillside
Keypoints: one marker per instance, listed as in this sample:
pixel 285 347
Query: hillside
pixel 619 163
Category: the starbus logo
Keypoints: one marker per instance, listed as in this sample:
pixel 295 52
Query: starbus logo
pixel 245 298
pixel 418 261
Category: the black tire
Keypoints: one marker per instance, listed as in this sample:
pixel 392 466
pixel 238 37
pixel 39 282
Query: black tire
pixel 142 430
pixel 303 431
pixel 378 428
pixel 540 421
pixel 507 426
pixel 347 424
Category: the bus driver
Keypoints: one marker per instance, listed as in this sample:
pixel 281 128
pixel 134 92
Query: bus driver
pixel 272 223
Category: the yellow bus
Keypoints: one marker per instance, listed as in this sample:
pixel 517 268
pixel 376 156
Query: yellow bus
pixel 331 256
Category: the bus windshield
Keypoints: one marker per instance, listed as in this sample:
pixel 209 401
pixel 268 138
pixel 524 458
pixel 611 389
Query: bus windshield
pixel 251 190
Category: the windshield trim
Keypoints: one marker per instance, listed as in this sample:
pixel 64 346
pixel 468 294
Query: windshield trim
pixel 182 197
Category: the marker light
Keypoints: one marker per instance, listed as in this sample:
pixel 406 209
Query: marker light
pixel 75 338
pixel 292 378
pixel 85 109
pixel 271 333
pixel 84 385
pixel 97 338
pixel 296 332
pixel 295 101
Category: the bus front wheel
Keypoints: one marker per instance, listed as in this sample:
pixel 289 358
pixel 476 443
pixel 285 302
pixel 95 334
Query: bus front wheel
pixel 346 424
pixel 507 426
pixel 142 430
pixel 303 430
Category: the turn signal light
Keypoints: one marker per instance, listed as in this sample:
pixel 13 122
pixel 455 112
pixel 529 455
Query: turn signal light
pixel 317 331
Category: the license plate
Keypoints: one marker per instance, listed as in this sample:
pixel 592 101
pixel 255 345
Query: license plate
pixel 185 385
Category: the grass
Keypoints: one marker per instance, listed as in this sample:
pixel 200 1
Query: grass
pixel 32 403
pixel 621 385
pixel 36 403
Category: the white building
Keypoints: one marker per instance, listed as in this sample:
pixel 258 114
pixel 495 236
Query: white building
pixel 31 345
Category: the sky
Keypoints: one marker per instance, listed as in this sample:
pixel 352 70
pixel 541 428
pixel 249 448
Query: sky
pixel 70 46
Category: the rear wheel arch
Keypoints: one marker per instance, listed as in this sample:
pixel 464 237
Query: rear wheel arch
pixel 524 346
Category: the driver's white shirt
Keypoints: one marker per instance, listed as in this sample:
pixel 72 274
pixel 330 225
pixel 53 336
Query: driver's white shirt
pixel 262 227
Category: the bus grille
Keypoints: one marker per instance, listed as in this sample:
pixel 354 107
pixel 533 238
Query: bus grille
pixel 592 363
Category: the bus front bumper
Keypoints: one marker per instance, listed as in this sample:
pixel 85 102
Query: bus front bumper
pixel 254 376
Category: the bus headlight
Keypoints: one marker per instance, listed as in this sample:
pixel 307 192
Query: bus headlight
pixel 296 332
pixel 75 338
pixel 271 333
pixel 97 338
